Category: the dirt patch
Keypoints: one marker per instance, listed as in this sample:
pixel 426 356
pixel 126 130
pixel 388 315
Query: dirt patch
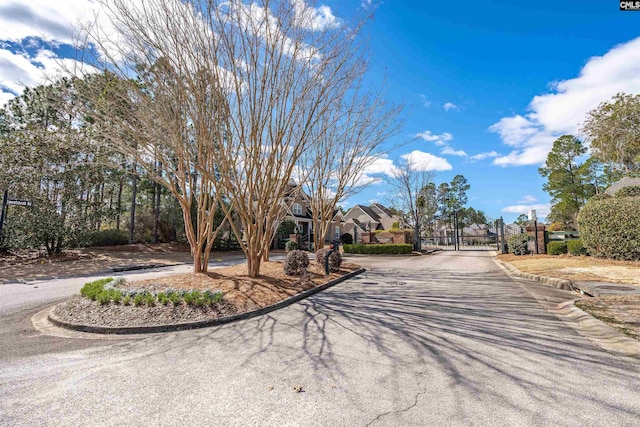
pixel 619 312
pixel 241 294
pixel 580 268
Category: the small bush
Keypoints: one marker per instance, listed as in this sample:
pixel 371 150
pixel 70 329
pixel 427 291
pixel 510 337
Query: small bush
pixel 296 263
pixel 347 239
pixel 175 298
pixel 600 196
pixel 559 226
pixel 116 296
pixel 556 248
pixel 163 298
pixel 213 297
pixel 378 249
pixel 91 290
pixel 518 244
pixel 150 300
pixel 126 300
pixel 576 248
pixel 103 298
pixel 110 237
pixel 335 259
pixel 138 299
pixel 291 246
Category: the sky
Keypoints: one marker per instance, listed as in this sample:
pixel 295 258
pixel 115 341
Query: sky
pixel 487 85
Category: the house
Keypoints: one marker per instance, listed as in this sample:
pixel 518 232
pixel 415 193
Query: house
pixel 361 219
pixel 623 183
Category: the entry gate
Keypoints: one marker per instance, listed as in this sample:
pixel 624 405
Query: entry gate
pixel 478 237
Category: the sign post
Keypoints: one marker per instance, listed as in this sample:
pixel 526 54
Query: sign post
pixel 6 202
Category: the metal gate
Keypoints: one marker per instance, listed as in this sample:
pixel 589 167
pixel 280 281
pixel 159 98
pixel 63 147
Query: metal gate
pixel 477 237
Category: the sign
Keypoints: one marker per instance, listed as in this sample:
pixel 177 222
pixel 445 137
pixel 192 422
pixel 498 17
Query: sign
pixel 630 5
pixel 16 202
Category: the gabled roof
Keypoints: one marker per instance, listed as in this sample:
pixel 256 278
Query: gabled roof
pixel 623 183
pixel 381 210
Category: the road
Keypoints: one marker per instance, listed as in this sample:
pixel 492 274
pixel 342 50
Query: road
pixel 447 339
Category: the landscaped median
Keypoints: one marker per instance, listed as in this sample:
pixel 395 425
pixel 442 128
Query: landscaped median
pixel 188 301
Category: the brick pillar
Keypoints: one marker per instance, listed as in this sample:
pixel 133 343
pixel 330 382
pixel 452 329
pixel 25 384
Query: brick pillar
pixel 368 238
pixel 542 248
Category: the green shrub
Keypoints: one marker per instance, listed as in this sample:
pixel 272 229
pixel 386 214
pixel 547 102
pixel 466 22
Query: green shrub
pixel 347 238
pixel 291 246
pixel 576 248
pixel 138 300
pixel 610 228
pixel 103 298
pixel 600 196
pixel 378 249
pixel 116 296
pixel 335 259
pixel 91 290
pixel 632 191
pixel 212 297
pixel 163 298
pixel 296 263
pixel 126 300
pixel 518 244
pixel 556 248
pixel 150 300
pixel 175 298
pixel 111 237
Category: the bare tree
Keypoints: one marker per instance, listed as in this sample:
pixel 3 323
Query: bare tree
pixel 157 106
pixel 244 87
pixel 349 139
pixel 410 183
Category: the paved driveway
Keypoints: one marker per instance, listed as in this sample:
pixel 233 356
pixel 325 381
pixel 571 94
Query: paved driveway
pixel 447 339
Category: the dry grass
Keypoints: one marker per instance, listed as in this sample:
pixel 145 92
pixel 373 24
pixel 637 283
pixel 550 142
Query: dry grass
pixel 577 268
pixel 243 291
pixel 619 312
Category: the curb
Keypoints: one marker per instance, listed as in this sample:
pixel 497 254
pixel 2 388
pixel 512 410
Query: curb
pixel 203 323
pixel 552 281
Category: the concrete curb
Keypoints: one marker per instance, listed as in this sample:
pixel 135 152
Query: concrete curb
pixel 552 281
pixel 203 323
pixel 597 331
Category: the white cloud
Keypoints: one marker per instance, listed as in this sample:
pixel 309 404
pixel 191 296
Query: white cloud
pixel 482 156
pixel 542 209
pixel 366 4
pixel 448 151
pixel 563 110
pixel 315 19
pixel 425 101
pixel 528 199
pixel 450 106
pixel 422 161
pixel 428 136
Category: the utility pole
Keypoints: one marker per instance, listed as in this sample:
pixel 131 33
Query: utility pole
pixel 5 200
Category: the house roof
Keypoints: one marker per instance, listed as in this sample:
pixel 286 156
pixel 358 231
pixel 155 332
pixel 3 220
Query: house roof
pixel 623 183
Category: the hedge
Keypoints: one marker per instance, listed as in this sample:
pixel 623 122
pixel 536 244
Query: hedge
pixel 610 228
pixel 576 248
pixel 556 248
pixel 378 249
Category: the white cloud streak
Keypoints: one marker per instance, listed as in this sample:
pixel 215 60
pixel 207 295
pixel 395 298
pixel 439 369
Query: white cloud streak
pixel 450 106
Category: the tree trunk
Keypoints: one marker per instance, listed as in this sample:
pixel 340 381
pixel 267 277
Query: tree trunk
pixel 156 210
pixel 253 265
pixel 134 190
pixel 119 203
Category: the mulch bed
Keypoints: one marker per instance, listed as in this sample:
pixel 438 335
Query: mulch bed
pixel 242 294
pixel 33 257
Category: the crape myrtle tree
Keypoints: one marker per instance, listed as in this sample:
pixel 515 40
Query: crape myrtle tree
pixel 156 105
pixel 411 184
pixel 348 139
pixel 235 93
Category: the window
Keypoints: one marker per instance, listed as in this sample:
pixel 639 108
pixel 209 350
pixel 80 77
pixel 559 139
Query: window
pixel 296 209
pixel 336 232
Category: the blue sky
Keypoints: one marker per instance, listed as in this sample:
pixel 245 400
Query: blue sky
pixel 487 85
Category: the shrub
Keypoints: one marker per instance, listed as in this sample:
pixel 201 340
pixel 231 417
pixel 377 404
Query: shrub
pixel 346 238
pixel 91 290
pixel 213 297
pixel 126 300
pixel 576 248
pixel 378 249
pixel 138 299
pixel 103 298
pixel 556 248
pixel 116 296
pixel 600 196
pixel 291 246
pixel 631 191
pixel 150 300
pixel 335 259
pixel 518 244
pixel 111 237
pixel 610 228
pixel 175 298
pixel 296 263
pixel 163 298
pixel 559 226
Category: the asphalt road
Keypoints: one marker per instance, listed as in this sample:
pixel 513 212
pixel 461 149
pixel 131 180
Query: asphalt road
pixel 446 339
